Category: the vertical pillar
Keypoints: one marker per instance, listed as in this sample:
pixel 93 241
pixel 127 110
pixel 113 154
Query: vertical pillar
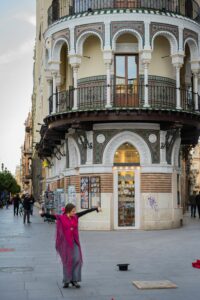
pixel 195 76
pixel 75 77
pixel 107 56
pixel 108 81
pixel 178 92
pixel 146 88
pixel 163 147
pixel 54 93
pixel 49 93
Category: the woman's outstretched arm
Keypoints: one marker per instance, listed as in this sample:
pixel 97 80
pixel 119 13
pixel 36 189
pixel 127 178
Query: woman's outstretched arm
pixel 49 216
pixel 84 212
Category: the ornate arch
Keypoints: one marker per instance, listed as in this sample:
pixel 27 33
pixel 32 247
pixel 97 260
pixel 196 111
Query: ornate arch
pixel 133 139
pixel 57 48
pixel 192 44
pixel 175 152
pixel 127 30
pixel 74 154
pixel 81 39
pixel 170 37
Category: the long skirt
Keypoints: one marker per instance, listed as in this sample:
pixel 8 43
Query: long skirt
pixel 76 267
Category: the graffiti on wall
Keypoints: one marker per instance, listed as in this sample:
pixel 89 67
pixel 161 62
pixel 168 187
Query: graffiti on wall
pixel 152 202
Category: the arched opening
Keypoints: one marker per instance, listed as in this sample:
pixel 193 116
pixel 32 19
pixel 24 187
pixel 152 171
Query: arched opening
pixel 126 71
pixel 162 81
pixel 125 159
pixel 186 80
pixel 127 154
pixel 92 74
pixel 65 84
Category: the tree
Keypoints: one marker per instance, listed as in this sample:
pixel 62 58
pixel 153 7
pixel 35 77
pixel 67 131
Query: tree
pixel 8 183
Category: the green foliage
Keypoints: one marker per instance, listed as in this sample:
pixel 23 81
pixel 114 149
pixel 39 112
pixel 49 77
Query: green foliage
pixel 8 183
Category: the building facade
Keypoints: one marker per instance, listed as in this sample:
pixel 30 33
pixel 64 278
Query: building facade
pixel 116 96
pixel 26 157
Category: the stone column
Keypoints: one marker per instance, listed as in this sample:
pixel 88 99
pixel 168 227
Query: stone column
pixel 195 82
pixel 146 59
pixel 195 67
pixel 178 91
pixel 107 55
pixel 49 90
pixel 177 61
pixel 75 61
pixel 54 93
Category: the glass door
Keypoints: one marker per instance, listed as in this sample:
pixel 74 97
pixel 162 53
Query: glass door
pixel 126 199
pixel 126 74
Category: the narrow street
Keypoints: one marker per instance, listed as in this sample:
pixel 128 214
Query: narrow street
pixel 31 270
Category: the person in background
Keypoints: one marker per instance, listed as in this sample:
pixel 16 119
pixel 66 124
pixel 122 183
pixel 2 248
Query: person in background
pixel 193 205
pixel 68 244
pixel 32 200
pixel 198 203
pixel 27 208
pixel 16 201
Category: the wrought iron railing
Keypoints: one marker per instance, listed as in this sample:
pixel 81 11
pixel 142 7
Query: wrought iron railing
pixel 121 96
pixel 188 8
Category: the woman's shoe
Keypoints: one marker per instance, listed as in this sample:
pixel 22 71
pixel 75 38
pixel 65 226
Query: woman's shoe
pixel 76 284
pixel 65 285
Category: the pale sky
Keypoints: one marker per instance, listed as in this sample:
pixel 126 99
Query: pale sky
pixel 17 38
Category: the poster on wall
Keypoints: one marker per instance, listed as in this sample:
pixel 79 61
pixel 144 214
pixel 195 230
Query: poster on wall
pixel 95 193
pixel 85 192
pixel 72 194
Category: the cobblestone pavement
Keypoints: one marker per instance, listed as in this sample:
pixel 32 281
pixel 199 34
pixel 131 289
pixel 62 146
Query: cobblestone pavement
pixel 30 268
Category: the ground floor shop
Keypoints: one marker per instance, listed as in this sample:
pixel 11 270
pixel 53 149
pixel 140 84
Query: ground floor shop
pixel 131 170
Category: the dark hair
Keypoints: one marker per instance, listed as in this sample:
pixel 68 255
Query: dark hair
pixel 69 207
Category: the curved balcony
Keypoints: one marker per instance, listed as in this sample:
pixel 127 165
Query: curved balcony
pixel 187 8
pixel 130 97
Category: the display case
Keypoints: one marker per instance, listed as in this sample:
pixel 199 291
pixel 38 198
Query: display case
pixel 126 198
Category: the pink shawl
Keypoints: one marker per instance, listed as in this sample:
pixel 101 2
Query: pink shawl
pixel 66 236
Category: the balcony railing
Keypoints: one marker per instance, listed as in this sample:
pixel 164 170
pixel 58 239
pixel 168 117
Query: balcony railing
pixel 188 8
pixel 121 96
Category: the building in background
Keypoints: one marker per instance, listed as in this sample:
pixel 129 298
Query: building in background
pixel 18 175
pixel 194 175
pixel 26 156
pixel 115 107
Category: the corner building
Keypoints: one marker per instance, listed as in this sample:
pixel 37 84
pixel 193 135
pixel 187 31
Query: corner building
pixel 120 90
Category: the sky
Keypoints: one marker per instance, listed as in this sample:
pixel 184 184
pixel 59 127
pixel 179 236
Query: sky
pixel 17 39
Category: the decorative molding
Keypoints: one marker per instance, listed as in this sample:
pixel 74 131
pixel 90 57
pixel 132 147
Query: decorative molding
pixel 157 27
pixel 187 33
pixel 134 25
pixel 132 138
pixel 176 152
pixel 97 29
pixel 74 153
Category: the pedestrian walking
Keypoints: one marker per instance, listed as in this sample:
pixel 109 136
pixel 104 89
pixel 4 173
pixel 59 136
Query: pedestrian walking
pixel 32 200
pixel 192 200
pixel 16 202
pixel 27 208
pixel 68 244
pixel 198 203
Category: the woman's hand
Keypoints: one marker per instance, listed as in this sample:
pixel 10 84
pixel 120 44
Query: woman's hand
pixel 99 209
pixel 41 213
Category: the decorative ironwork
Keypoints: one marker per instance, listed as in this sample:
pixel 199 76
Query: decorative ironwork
pixel 94 97
pixel 187 8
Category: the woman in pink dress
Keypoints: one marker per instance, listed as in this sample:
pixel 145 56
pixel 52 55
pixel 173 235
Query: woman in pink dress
pixel 68 244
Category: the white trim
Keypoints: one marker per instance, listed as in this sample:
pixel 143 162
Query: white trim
pixel 56 49
pixel 107 18
pixel 132 138
pixel 193 46
pixel 84 169
pixel 170 37
pixel 126 126
pixel 157 168
pixel 74 156
pixel 123 31
pixel 83 37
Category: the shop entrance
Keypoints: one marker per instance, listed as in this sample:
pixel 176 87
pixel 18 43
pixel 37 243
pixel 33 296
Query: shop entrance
pixel 126 187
